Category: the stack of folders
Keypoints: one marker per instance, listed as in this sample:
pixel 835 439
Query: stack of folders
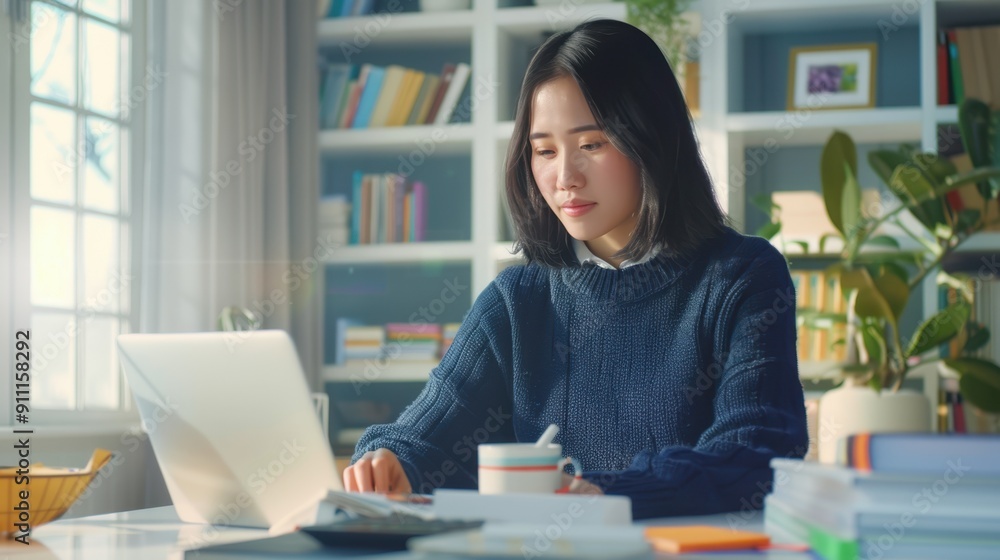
pixel 893 496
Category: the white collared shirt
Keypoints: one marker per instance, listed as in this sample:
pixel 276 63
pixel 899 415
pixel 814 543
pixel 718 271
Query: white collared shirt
pixel 584 254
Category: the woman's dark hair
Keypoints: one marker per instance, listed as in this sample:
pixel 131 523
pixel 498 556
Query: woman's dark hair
pixel 633 94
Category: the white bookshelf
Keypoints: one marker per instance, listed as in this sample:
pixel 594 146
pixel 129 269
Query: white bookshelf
pixel 732 130
pixel 393 371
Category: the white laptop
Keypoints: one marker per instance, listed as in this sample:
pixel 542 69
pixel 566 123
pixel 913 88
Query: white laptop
pixel 232 424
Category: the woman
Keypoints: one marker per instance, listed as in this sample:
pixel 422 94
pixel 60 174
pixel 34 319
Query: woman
pixel 660 340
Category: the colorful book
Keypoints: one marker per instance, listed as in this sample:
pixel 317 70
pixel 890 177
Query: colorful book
pixel 956 68
pixel 447 72
pixel 681 539
pixel 422 103
pixel 373 85
pixel 391 84
pixel 451 97
pixel 927 453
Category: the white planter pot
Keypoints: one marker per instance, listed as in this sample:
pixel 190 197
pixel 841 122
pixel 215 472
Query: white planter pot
pixel 855 409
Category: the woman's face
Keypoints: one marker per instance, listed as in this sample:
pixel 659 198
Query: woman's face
pixel 593 188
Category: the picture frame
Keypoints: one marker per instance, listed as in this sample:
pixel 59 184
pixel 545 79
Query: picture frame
pixel 832 76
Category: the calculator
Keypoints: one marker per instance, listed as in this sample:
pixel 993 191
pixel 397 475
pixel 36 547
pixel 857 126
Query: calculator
pixel 383 533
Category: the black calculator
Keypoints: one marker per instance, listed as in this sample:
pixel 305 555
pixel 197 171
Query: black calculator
pixel 383 533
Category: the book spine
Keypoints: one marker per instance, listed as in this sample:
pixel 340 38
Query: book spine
pixel 356 208
pixel 943 93
pixel 956 67
pixel 446 75
pixel 420 197
pixel 369 96
pixel 455 88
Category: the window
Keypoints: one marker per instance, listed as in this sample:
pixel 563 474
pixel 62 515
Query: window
pixel 75 100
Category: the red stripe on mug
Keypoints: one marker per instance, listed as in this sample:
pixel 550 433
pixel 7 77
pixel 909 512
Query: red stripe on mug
pixel 527 468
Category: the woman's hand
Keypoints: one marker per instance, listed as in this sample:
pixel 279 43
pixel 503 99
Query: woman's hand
pixel 580 486
pixel 377 471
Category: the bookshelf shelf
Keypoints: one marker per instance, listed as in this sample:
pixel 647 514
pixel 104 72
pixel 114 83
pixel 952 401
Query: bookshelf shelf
pixel 531 21
pixel 450 139
pixel 768 16
pixel 945 114
pixel 814 127
pixel 400 29
pixel 394 371
pixel 402 253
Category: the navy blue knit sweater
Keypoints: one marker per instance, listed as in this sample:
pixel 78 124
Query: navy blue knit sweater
pixel 674 382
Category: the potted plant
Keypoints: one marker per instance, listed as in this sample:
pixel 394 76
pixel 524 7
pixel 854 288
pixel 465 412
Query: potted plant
pixel 664 21
pixel 879 284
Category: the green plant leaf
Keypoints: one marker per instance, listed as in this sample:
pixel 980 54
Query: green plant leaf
pixel 824 238
pixel 981 138
pixel 885 162
pixel 940 328
pixel 917 191
pixel 764 202
pixel 875 346
pixel 850 210
pixel 803 244
pixel 974 118
pixel 966 219
pixel 979 382
pixel 840 158
pixel 895 268
pixel 979 336
pixel 883 241
pixel 769 230
pixel 896 292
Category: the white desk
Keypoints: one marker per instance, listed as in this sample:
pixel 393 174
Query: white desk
pixel 157 534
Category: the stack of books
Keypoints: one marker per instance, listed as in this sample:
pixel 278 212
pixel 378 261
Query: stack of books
pixel 387 209
pixel 363 342
pixel 369 96
pixel 413 341
pixel 892 496
pixel 335 219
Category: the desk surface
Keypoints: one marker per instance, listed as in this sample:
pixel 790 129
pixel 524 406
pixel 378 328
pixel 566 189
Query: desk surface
pixel 157 533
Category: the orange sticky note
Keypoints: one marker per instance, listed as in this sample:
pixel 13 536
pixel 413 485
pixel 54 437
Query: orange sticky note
pixel 693 538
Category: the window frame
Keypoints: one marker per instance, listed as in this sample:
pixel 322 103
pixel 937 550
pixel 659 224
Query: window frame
pixel 15 103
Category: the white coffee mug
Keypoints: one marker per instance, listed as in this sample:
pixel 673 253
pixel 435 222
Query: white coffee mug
pixel 506 468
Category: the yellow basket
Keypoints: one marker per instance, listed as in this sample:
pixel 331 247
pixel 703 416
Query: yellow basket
pixel 50 491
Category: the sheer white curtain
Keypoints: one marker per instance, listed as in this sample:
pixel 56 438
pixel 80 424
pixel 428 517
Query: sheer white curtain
pixel 232 181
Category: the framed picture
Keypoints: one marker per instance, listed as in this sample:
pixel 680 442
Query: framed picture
pixel 832 77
